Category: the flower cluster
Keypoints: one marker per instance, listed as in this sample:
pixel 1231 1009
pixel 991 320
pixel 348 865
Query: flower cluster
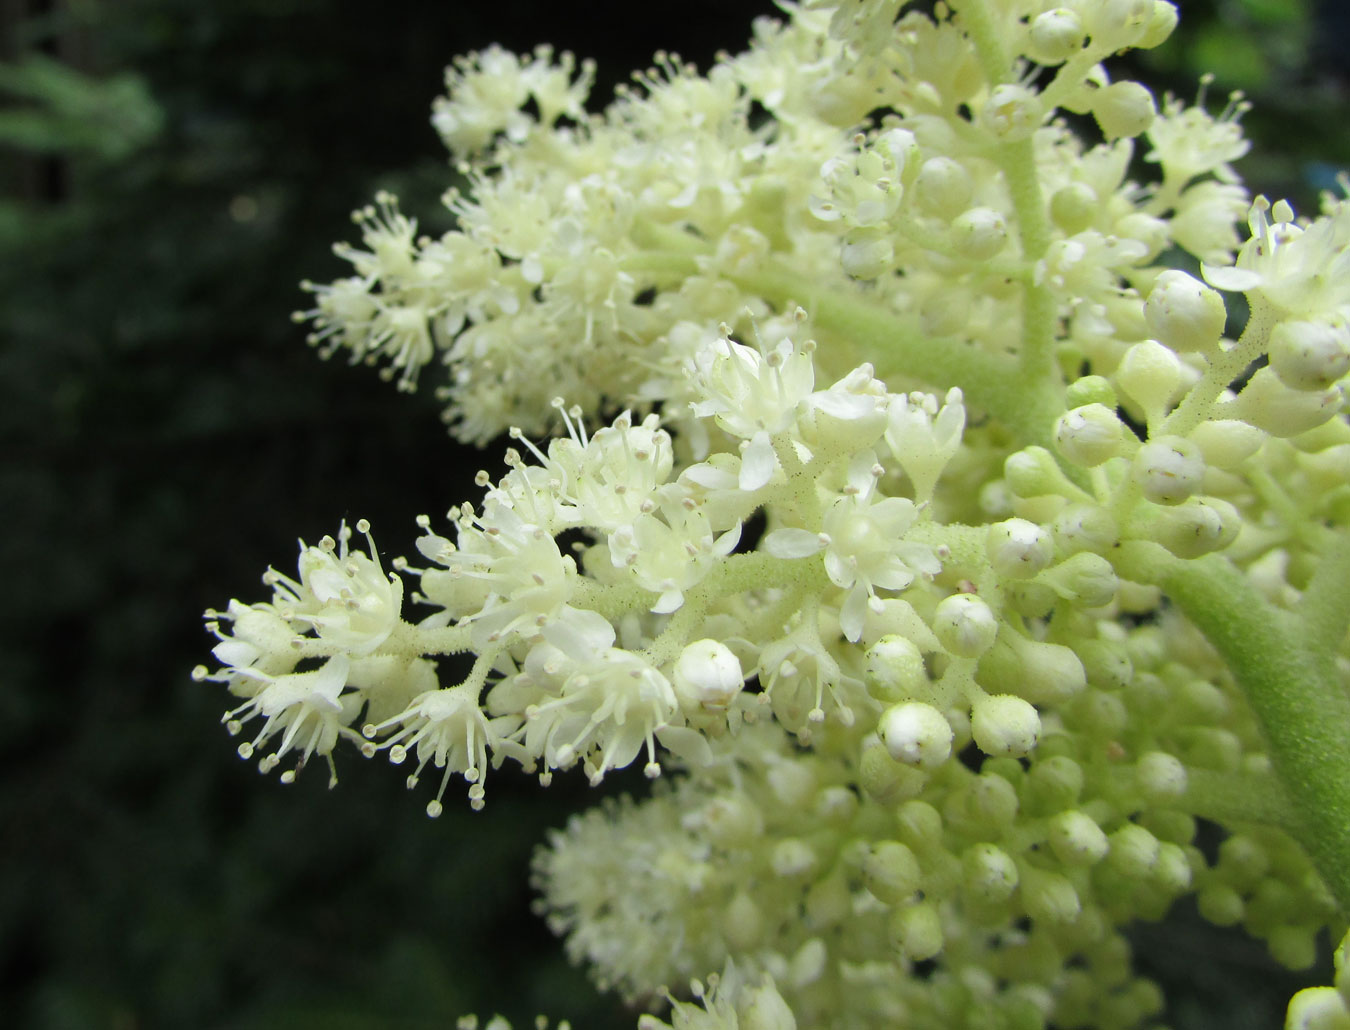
pixel 883 464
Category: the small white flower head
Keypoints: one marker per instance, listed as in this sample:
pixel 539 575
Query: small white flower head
pixel 752 394
pixel 923 438
pixel 1004 724
pixel 1123 110
pixel 979 233
pixel 1310 355
pixel 1184 313
pixel 965 625
pixel 1090 435
pixel 670 550
pixel 343 594
pixel 1189 142
pixel 708 675
pixel 863 185
pixel 917 734
pixel 448 730
pixel 1168 469
pixel 1018 548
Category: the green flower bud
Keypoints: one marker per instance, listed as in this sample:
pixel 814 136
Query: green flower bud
pixel 866 254
pixel 1243 862
pixel 1162 20
pixel 1004 724
pixel 1317 1008
pixel 1085 579
pixel 1123 109
pixel 979 233
pixel 991 875
pixel 1268 404
pixel 1076 839
pixel 1184 313
pixel 1052 785
pixel 1168 470
pixel 1200 526
pixel 1309 355
pixel 965 625
pixel 917 931
pixel 763 1008
pixel 990 801
pixel 920 826
pixel 1096 712
pixel 1106 662
pixel 1152 376
pixel 1085 527
pixel 1090 390
pixel 1033 472
pixel 1055 36
pixel 1134 851
pixel 1172 873
pixel 916 734
pixel 1161 777
pixel 828 902
pixel 1018 549
pixel 793 783
pixel 731 820
pixel 1221 905
pixel 1227 443
pixel 1049 897
pixel 793 859
pixel 1295 947
pixel 742 923
pixel 885 780
pixel 1073 207
pixel 1041 672
pixel 1090 435
pixel 943 188
pixel 895 669
pixel 891 872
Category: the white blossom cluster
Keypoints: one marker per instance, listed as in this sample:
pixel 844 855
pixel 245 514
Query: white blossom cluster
pixel 884 407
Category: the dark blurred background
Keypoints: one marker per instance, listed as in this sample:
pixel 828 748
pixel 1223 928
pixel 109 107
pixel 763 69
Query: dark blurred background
pixel 169 170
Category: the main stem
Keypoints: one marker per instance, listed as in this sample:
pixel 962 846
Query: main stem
pixel 1291 681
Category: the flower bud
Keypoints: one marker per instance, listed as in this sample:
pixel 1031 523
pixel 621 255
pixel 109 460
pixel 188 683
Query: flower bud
pixel 1168 470
pixel 1268 404
pixel 1123 109
pixel 1162 20
pixel 1184 313
pixel 792 859
pixel 1152 376
pixel 885 780
pixel 1134 851
pixel 1161 777
pixel 1018 549
pixel 1226 443
pixel 979 233
pixel 1090 390
pixel 891 872
pixel 1049 897
pixel 763 1008
pixel 1033 472
pixel 1004 724
pixel 1039 671
pixel 965 625
pixel 916 734
pixel 866 255
pixel 1173 871
pixel 895 669
pixel 1076 839
pixel 1055 36
pixel 1091 434
pixel 943 188
pixel 1197 527
pixel 991 875
pixel 920 825
pixel 1085 527
pixel 1011 113
pixel 1085 579
pixel 1317 1008
pixel 708 675
pixel 743 922
pixel 1309 355
pixel 1074 207
pixel 1221 905
pixel 917 931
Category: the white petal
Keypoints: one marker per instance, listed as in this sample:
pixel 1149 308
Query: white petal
pixel 757 462
pixel 792 543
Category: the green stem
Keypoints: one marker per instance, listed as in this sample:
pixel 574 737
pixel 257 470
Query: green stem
pixel 1223 369
pixel 1325 606
pixel 1291 681
pixel 1230 798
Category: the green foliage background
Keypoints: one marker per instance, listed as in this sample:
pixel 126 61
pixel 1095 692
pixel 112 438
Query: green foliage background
pixel 171 168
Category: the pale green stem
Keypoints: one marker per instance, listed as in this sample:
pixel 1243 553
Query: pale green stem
pixel 1223 369
pixel 1234 798
pixel 1325 606
pixel 1289 677
pixel 979 24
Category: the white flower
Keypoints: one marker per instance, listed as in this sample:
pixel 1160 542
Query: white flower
pixel 924 438
pixel 670 550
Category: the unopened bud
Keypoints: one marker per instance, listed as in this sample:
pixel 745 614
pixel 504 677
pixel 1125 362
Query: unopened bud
pixel 916 734
pixel 1090 435
pixel 965 625
pixel 1018 548
pixel 1056 35
pixel 1168 470
pixel 1152 376
pixel 1267 403
pixel 1005 725
pixel 1011 113
pixel 1197 527
pixel 1123 109
pixel 1076 839
pixel 1226 443
pixel 895 669
pixel 1184 313
pixel 1309 355
pixel 708 675
pixel 891 872
pixel 1074 207
pixel 943 188
pixel 917 931
pixel 979 233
